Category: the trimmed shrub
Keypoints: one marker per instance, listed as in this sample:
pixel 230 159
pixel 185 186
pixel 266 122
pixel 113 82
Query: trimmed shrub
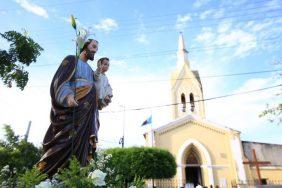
pixel 147 163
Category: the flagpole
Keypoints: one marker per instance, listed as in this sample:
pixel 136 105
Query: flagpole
pixel 121 140
pixel 123 127
pixel 152 136
pixel 152 139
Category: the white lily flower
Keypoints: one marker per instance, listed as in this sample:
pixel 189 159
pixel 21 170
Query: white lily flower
pixel 82 37
pixel 5 169
pixel 98 177
pixel 83 33
pixel 44 184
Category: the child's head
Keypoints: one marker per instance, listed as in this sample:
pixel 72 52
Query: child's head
pixel 103 64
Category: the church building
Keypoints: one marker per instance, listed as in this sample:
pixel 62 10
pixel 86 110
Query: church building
pixel 206 153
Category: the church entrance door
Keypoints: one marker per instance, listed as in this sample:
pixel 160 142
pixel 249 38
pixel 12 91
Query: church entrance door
pixel 193 170
pixel 193 175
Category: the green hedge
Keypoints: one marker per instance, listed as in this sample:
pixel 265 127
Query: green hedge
pixel 147 163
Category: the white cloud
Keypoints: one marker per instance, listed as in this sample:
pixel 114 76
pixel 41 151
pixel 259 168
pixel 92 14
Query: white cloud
pixel 33 8
pixel 218 13
pixel 182 21
pixel 243 38
pixel 205 14
pixel 244 41
pixel 118 63
pixel 224 27
pixel 206 35
pixel 241 112
pixel 200 3
pixel 142 38
pixel 250 24
pixel 272 5
pixel 226 3
pixel 260 26
pixel 107 25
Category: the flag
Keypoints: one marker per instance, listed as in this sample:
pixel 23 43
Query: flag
pixel 145 135
pixel 147 121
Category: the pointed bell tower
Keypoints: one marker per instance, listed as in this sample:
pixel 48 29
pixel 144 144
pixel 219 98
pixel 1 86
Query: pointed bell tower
pixel 186 88
pixel 182 53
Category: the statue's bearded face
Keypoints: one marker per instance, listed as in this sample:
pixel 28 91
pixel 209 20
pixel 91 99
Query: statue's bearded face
pixel 91 50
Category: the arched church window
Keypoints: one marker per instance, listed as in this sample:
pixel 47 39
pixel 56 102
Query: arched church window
pixel 183 101
pixel 192 102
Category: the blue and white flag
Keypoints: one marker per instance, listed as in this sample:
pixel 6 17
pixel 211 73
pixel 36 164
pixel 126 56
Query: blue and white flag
pixel 147 121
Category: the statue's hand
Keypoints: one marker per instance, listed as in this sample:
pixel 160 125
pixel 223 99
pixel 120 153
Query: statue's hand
pixel 93 142
pixel 107 99
pixel 71 101
pixel 96 75
pixel 100 104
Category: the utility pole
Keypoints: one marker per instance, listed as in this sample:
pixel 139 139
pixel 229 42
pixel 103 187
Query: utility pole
pixel 27 131
pixel 123 127
pixel 121 140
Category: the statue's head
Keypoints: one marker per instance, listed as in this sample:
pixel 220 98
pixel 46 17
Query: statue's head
pixel 103 64
pixel 89 49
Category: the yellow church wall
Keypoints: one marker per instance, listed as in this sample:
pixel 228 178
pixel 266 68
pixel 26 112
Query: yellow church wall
pixel 216 141
pixel 249 173
pixel 269 173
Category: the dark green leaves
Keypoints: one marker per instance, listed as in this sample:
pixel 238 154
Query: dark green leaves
pixel 142 162
pixel 22 52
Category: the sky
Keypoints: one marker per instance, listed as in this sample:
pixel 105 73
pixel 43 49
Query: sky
pixel 141 38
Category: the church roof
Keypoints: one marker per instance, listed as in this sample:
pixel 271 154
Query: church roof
pixel 264 152
pixel 192 118
pixel 197 76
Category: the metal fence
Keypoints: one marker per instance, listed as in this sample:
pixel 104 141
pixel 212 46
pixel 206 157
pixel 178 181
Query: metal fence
pixel 166 183
pixel 173 183
pixel 255 183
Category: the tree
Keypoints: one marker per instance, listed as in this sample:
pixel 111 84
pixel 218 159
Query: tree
pixel 22 52
pixel 147 163
pixel 274 112
pixel 17 153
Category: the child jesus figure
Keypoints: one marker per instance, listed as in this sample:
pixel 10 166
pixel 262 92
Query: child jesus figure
pixel 103 88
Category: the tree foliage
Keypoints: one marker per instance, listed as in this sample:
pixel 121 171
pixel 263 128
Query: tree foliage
pixel 22 52
pixel 17 153
pixel 75 175
pixel 31 178
pixel 147 163
pixel 273 112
